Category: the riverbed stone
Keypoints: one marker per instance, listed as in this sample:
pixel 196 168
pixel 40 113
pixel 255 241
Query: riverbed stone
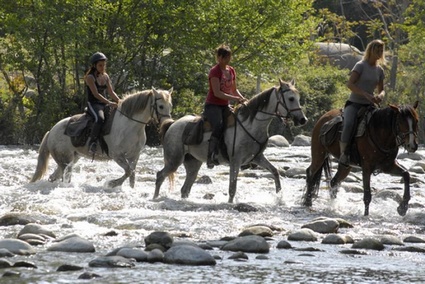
pixel 16 246
pixel 155 255
pixel 5 263
pixel 334 239
pixel 324 226
pixel 303 234
pixel 283 245
pixel 89 275
pixel 239 255
pixel 261 231
pixel 301 140
pixel 252 243
pixel 36 229
pixel 244 207
pixel 414 239
pixel 115 261
pixel 410 249
pixel 69 267
pixel 368 243
pixel 5 253
pixel 137 254
pixel 188 255
pixel 391 240
pixel 277 141
pixel 162 238
pixel 73 244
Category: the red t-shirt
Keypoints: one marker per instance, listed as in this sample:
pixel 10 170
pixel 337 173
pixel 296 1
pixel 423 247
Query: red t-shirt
pixel 225 84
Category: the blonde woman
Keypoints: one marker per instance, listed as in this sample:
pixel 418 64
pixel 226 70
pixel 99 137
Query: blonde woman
pixel 366 77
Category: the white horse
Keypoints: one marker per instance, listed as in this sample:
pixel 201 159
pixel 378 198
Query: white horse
pixel 245 140
pixel 126 139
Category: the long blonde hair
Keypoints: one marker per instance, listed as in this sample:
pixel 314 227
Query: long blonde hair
pixel 373 49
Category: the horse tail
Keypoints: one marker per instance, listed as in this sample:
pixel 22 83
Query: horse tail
pixel 43 159
pixel 164 127
pixel 171 181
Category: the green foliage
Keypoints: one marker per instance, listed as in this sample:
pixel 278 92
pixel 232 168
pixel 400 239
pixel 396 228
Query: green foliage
pixel 170 44
pixel 322 88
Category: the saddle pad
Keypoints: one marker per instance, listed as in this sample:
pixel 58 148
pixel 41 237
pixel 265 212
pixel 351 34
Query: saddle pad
pixel 76 124
pixel 330 129
pixel 193 132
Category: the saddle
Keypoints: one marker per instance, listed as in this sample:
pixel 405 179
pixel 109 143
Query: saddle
pixel 193 133
pixel 329 131
pixel 80 125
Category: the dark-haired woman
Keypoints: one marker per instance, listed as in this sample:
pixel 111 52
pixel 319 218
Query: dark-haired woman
pixel 222 89
pixel 98 84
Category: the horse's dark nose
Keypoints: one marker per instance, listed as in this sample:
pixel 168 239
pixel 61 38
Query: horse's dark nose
pixel 302 121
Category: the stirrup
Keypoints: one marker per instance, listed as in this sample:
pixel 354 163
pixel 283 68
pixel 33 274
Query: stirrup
pixel 344 161
pixel 93 148
pixel 212 161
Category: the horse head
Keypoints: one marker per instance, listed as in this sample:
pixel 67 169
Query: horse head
pixel 288 103
pixel 407 126
pixel 162 105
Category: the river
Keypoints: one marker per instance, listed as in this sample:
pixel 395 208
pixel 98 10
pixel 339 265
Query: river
pixel 87 208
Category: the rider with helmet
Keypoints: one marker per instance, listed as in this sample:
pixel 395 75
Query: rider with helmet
pixel 98 82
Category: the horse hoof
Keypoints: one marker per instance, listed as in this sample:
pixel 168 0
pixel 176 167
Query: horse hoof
pixel 402 210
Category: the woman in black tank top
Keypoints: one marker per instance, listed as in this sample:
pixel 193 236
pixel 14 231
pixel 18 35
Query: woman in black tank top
pixel 98 86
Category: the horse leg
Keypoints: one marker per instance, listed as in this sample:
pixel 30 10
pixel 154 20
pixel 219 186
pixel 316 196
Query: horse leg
pixel 340 175
pixel 367 196
pixel 263 162
pixel 123 163
pixel 65 162
pixel 233 179
pixel 192 167
pixel 169 168
pixel 399 170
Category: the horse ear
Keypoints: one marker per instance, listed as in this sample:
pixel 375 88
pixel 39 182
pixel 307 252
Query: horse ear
pixel 170 91
pixel 395 108
pixel 415 106
pixel 293 82
pixel 280 81
pixel 154 91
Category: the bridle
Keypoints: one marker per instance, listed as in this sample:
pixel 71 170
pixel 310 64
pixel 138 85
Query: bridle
pixel 281 94
pixel 276 113
pixel 154 109
pixel 399 137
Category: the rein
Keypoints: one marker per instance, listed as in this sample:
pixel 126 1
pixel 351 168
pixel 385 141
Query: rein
pixel 275 113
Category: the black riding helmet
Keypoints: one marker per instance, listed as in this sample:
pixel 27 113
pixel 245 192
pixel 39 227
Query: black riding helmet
pixel 97 57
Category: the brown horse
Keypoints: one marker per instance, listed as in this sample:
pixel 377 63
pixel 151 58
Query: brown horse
pixel 374 151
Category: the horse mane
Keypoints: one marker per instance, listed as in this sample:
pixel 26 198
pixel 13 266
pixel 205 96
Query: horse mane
pixel 255 103
pixel 384 118
pixel 135 101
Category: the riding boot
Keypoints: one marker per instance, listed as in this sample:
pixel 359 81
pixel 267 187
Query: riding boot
pixel 212 152
pixel 95 132
pixel 344 158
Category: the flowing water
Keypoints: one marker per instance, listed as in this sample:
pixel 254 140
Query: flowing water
pixel 87 208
